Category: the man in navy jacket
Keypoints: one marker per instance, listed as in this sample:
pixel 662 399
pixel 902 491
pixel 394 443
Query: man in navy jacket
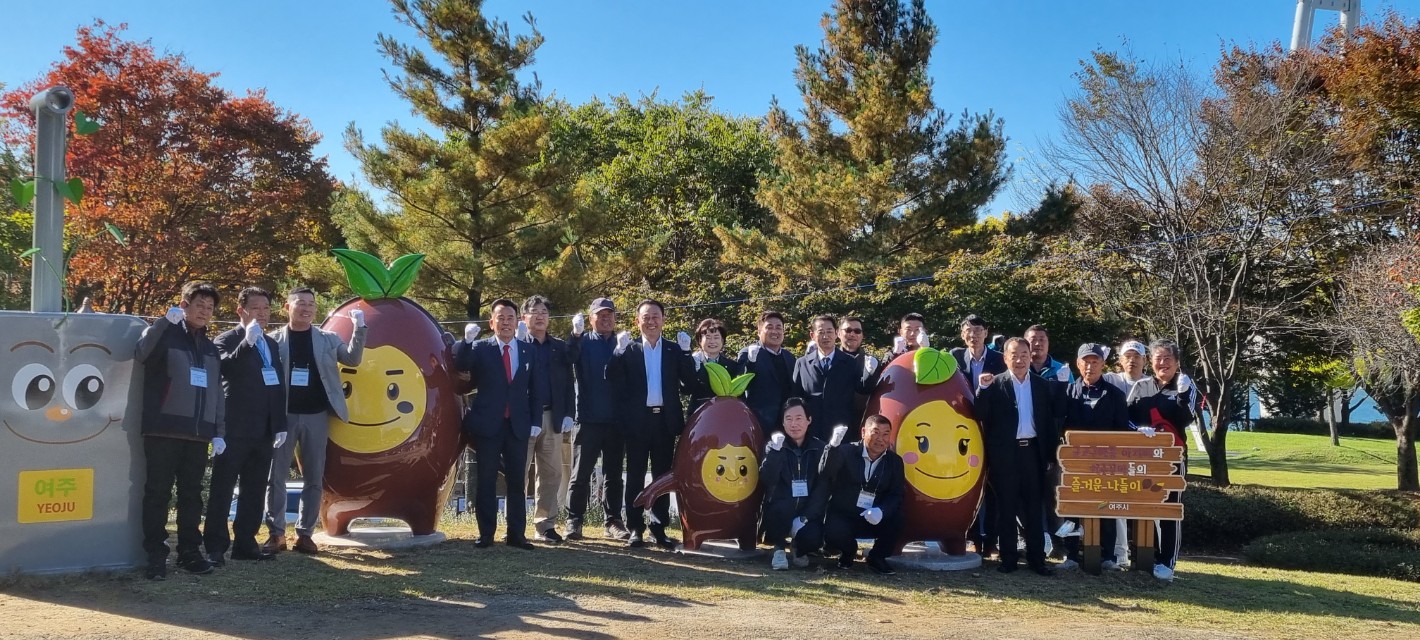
pixel 554 386
pixel 502 416
pixel 597 434
pixel 773 369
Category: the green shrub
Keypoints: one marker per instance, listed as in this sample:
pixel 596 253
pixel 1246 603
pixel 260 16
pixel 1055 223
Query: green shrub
pixel 1227 518
pixel 1390 553
pixel 1310 427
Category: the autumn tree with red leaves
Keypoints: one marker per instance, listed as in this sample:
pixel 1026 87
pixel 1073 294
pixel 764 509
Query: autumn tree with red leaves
pixel 205 184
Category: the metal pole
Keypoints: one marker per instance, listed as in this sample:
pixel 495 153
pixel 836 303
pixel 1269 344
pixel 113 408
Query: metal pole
pixel 51 107
pixel 1302 25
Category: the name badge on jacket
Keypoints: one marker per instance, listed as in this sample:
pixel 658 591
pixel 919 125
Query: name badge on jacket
pixel 300 377
pixel 197 376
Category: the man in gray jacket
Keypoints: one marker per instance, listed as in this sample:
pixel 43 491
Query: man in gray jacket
pixel 182 415
pixel 312 357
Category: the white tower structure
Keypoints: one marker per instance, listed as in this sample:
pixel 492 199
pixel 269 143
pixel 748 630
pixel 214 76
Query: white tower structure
pixel 1306 12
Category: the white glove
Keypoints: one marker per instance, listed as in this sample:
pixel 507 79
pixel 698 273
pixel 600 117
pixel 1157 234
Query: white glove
pixel 175 315
pixel 623 340
pixel 253 330
pixel 797 524
pixel 218 446
pixel 754 352
pixel 279 440
pixel 536 431
pixel 922 340
pixel 1063 374
pixel 579 323
pixel 776 441
pixel 566 424
pixel 470 332
pixel 1184 383
pixel 870 364
pixel 358 315
pixel 899 344
pixel 699 358
pixel 873 515
pixel 1148 431
pixel 838 433
pixel 682 339
pixel 810 347
pixel 522 333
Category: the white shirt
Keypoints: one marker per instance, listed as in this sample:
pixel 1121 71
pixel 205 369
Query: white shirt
pixel 977 365
pixel 652 352
pixel 1025 407
pixel 512 346
pixel 869 464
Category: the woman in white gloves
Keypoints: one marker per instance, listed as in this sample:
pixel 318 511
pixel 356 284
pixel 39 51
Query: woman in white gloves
pixel 789 474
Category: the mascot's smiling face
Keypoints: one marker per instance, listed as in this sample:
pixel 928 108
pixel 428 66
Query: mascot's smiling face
pixel 61 387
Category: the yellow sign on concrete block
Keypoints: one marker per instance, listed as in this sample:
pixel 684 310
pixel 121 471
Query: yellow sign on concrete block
pixel 56 495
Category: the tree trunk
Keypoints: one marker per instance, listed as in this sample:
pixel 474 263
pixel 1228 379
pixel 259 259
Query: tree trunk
pixel 1347 408
pixel 1406 476
pixel 1216 442
pixel 1331 418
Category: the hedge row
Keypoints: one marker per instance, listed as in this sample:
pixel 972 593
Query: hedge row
pixel 1228 518
pixel 1380 430
pixel 1390 553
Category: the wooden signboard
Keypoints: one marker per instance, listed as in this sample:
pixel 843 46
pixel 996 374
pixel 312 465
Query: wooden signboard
pixel 1119 474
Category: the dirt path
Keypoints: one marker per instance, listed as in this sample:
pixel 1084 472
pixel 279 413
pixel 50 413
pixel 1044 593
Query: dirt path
pixel 591 617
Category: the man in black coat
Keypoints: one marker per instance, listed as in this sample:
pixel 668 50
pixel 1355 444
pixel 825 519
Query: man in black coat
pixel 650 376
pixel 252 378
pixel 860 490
pixel 828 380
pixel 1020 416
pixel 973 360
pixel 773 369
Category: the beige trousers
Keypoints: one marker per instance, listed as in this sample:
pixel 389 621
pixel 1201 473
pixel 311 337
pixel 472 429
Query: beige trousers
pixel 545 479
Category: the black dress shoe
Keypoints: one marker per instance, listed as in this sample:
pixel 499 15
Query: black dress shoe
pixel 880 566
pixel 664 541
pixel 519 543
pixel 216 560
pixel 574 531
pixel 551 535
pixel 635 541
pixel 1043 571
pixel 845 561
pixel 238 554
pixel 482 542
pixel 195 564
pixel 1007 568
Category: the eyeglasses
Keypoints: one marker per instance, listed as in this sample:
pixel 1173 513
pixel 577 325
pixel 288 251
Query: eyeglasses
pixel 851 330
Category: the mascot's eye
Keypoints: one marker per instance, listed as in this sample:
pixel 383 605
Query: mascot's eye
pixel 83 386
pixel 345 387
pixel 744 471
pixel 33 386
pixel 961 445
pixel 720 470
pixel 922 444
pixel 392 391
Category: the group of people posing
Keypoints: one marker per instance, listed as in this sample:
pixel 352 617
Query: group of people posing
pixel 621 399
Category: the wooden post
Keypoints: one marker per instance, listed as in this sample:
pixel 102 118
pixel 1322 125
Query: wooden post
pixel 1090 554
pixel 1143 545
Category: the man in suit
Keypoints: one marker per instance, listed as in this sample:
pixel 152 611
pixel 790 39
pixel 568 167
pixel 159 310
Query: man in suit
pixel 828 381
pixel 252 378
pixel 502 417
pixel 651 374
pixel 1019 414
pixel 312 357
pixel 597 434
pixel 773 369
pixel 975 359
pixel 554 386
pixel 862 485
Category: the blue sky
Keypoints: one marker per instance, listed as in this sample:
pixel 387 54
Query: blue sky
pixel 318 57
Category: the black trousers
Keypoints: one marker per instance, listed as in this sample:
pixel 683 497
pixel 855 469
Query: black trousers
pixel 167 461
pixel 842 529
pixel 777 520
pixel 983 529
pixel 596 440
pixel 652 439
pixel 508 453
pixel 1017 475
pixel 248 461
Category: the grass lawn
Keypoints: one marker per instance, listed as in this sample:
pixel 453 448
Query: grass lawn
pixel 1302 461
pixel 1209 596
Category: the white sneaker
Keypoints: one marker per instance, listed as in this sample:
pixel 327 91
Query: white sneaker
pixel 1163 572
pixel 1110 565
pixel 780 562
pixel 1068 565
pixel 1069 529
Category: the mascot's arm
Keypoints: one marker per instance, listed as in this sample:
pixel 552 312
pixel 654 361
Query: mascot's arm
pixel 659 487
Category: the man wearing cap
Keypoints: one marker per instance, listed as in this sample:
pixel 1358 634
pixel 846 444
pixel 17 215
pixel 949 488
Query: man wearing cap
pixel 1091 405
pixel 597 434
pixel 1019 417
pixel 1132 355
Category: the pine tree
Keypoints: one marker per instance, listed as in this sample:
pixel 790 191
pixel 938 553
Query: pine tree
pixel 874 171
pixel 481 196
